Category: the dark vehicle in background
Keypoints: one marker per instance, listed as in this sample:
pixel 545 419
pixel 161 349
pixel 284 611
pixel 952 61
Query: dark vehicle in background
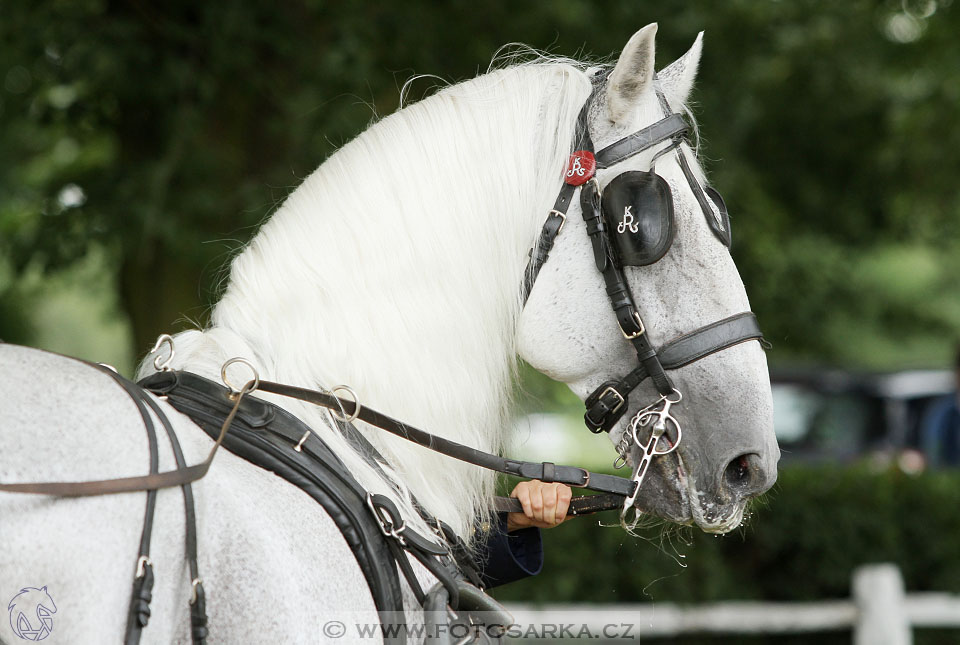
pixel 837 415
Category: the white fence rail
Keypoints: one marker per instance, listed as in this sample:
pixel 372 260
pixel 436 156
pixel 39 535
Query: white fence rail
pixel 879 613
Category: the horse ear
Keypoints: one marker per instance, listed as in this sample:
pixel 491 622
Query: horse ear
pixel 677 77
pixel 44 589
pixel 632 74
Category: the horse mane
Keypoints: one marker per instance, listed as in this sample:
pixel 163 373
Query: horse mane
pixel 396 268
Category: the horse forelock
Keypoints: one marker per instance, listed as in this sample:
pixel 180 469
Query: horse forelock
pixel 396 268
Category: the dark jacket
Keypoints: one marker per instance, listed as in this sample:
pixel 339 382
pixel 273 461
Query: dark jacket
pixel 506 557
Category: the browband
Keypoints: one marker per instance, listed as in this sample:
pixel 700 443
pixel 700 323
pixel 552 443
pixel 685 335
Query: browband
pixel 664 129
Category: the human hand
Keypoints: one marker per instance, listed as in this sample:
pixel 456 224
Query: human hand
pixel 544 505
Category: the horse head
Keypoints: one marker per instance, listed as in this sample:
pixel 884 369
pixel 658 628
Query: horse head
pixel 682 278
pixel 397 268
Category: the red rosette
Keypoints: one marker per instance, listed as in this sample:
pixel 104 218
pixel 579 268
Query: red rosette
pixel 580 168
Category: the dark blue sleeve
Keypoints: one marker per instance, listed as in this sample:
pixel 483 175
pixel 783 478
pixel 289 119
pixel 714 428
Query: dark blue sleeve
pixel 507 557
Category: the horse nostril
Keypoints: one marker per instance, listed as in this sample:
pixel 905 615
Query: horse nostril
pixel 742 471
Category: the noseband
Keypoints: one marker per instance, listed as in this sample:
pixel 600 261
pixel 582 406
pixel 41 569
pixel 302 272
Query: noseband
pixel 631 224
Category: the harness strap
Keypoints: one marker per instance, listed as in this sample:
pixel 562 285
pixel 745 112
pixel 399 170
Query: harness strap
pixel 142 593
pixel 663 130
pixel 198 613
pixel 558 215
pixel 606 404
pixel 582 505
pixel 134 484
pixel 628 317
pixel 705 205
pixel 570 475
pixel 139 614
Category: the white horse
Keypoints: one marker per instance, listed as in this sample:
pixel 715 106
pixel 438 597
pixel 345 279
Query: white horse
pixel 396 268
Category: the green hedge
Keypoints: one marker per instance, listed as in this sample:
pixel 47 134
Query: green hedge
pixel 802 542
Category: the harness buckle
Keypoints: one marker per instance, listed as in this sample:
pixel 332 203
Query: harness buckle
pixel 563 218
pixel 619 397
pixel 641 330
pixel 596 418
pixel 196 582
pixel 386 521
pixel 586 479
pixel 142 563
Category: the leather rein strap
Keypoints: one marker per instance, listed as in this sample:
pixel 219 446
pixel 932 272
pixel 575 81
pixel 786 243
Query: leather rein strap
pixel 142 592
pixel 153 481
pixel 617 487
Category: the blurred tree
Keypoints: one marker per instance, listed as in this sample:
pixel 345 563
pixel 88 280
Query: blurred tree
pixel 166 133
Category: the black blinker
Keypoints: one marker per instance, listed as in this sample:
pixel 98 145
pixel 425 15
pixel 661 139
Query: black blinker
pixel 638 211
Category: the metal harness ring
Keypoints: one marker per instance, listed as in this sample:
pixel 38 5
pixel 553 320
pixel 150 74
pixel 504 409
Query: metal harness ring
pixel 356 404
pixel 163 366
pixel 234 391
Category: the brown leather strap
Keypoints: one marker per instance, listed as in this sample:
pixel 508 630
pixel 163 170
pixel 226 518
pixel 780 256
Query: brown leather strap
pixel 141 483
pixel 581 505
pixel 570 475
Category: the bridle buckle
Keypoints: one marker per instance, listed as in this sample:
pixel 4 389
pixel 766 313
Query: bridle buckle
pixel 586 479
pixel 597 421
pixel 562 216
pixel 389 525
pixel 620 399
pixel 641 330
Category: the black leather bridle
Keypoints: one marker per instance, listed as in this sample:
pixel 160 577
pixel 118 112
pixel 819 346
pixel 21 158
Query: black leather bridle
pixel 608 402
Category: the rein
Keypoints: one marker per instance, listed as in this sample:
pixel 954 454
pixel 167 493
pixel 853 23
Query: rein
pixel 617 488
pixel 181 476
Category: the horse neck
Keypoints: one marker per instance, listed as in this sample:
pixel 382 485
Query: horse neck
pixel 396 267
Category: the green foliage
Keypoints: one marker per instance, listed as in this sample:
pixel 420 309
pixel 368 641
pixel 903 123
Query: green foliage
pixel 801 543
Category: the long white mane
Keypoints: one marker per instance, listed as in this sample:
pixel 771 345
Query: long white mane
pixel 396 268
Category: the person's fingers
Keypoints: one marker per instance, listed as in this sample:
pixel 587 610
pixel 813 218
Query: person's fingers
pixel 522 492
pixel 564 495
pixel 536 501
pixel 549 495
pixel 544 505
